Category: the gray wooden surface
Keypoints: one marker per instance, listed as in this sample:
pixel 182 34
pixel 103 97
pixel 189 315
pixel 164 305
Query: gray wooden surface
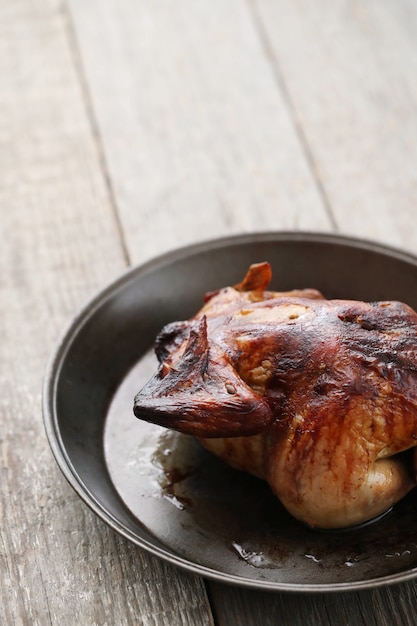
pixel 127 129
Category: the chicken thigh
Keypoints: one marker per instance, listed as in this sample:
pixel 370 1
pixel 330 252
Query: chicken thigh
pixel 317 397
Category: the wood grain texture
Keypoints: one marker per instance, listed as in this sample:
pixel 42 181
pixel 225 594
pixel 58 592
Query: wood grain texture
pixel 60 242
pixel 366 608
pixel 350 75
pixel 196 134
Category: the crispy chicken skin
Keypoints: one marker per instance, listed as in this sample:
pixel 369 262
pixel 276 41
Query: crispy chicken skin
pixel 318 397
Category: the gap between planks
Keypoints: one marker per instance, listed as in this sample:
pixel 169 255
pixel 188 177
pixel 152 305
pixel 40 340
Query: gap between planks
pixel 282 87
pixel 95 131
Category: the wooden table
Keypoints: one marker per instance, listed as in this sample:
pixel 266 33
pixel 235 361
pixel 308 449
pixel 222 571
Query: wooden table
pixel 130 128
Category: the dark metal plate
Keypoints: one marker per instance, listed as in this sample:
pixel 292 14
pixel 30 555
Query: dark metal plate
pixel 162 490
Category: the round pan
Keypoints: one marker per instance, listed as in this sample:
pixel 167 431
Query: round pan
pixel 162 490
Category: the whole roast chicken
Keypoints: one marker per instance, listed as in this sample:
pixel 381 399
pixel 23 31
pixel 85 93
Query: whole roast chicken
pixel 318 397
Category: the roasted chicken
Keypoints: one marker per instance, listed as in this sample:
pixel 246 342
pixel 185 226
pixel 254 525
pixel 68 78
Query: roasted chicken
pixel 318 397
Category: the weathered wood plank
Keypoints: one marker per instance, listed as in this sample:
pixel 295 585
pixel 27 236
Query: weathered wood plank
pixel 366 608
pixel 196 134
pixel 58 563
pixel 350 74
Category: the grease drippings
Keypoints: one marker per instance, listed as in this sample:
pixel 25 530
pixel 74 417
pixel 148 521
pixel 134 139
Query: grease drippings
pixel 167 459
pixel 256 559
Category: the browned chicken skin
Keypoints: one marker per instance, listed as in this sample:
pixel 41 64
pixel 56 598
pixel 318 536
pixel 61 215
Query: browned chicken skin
pixel 318 397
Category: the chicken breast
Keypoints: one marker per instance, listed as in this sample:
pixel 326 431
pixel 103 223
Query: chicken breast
pixel 317 397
